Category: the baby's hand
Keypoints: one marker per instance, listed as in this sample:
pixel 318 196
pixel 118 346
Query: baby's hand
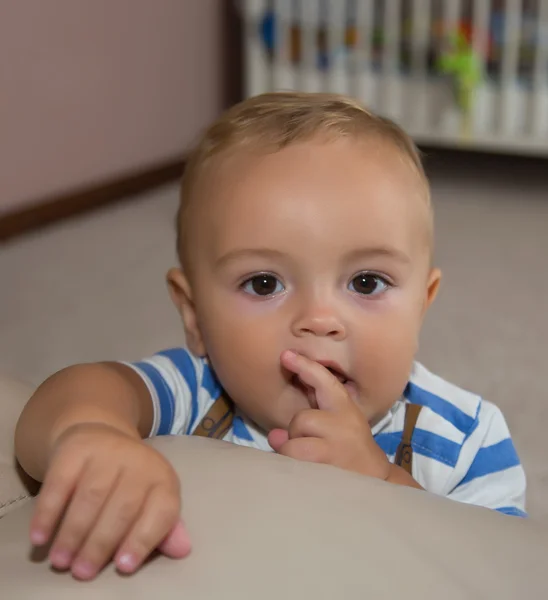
pixel 112 496
pixel 337 434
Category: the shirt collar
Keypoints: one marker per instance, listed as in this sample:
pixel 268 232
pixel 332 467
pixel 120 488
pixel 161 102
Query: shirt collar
pixel 387 419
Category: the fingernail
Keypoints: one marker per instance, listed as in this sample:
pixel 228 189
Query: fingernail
pixel 38 537
pixel 127 563
pixel 60 559
pixel 83 569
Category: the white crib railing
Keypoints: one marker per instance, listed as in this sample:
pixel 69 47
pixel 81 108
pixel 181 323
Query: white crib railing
pixel 384 52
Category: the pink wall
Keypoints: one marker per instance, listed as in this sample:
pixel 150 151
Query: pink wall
pixel 93 88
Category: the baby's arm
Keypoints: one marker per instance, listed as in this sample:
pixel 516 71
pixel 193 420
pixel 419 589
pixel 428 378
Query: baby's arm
pixel 107 394
pixel 489 470
pixel 81 434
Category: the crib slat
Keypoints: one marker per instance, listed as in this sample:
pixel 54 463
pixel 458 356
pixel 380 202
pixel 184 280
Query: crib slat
pixel 364 83
pixel 538 124
pixel 507 110
pixel 258 71
pixel 417 115
pixel 481 9
pixel 420 37
pixel 337 80
pixel 452 12
pixel 482 109
pixel 391 31
pixel 283 71
pixel 453 119
pixel 310 79
pixel 391 78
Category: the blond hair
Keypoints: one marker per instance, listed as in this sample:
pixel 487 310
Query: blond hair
pixel 275 120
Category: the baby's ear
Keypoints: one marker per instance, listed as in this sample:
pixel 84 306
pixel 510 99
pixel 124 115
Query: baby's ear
pixel 432 288
pixel 181 295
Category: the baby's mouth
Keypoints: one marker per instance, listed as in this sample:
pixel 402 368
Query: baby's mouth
pixel 296 382
pixel 310 393
pixel 335 369
pixel 338 374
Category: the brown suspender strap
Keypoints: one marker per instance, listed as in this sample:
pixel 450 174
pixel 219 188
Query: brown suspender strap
pixel 404 453
pixel 217 420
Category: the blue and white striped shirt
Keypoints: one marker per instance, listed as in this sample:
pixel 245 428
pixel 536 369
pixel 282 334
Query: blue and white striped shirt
pixel 461 444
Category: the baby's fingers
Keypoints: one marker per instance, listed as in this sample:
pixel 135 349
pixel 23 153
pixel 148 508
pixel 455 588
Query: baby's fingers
pixel 308 449
pixel 54 496
pixel 110 528
pixel 177 543
pixel 156 524
pixel 94 488
pixel 330 394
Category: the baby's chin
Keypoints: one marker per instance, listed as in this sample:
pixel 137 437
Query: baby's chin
pixel 286 406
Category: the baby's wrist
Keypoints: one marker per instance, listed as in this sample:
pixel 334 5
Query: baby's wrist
pixel 377 466
pixel 400 476
pixel 87 426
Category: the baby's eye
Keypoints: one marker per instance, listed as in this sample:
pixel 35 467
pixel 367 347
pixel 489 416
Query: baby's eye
pixel 368 284
pixel 262 285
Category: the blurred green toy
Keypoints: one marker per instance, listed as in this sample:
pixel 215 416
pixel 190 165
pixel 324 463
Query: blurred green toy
pixel 464 65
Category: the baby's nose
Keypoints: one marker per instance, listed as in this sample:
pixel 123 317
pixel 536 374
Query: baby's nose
pixel 321 322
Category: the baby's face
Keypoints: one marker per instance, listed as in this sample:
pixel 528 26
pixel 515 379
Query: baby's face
pixel 322 248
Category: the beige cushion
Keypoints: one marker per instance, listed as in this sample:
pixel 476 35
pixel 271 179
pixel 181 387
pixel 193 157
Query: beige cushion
pixel 15 487
pixel 268 527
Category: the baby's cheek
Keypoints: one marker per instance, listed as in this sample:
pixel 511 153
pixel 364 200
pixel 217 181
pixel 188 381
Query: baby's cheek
pixel 386 364
pixel 237 357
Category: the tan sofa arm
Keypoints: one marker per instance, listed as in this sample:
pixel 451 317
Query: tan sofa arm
pixel 270 527
pixel 15 487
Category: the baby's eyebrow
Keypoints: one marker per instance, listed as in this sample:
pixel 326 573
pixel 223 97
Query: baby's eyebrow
pixel 241 253
pixel 366 253
pixel 378 252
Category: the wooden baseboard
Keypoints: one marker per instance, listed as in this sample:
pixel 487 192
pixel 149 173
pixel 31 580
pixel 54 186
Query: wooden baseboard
pixel 61 207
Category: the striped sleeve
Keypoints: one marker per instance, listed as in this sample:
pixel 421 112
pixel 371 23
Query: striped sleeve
pixel 488 472
pixel 175 379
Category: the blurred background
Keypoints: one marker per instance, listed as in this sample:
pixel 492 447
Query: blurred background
pixel 100 101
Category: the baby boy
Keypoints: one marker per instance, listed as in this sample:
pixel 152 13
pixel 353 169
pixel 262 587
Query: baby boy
pixel 305 239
